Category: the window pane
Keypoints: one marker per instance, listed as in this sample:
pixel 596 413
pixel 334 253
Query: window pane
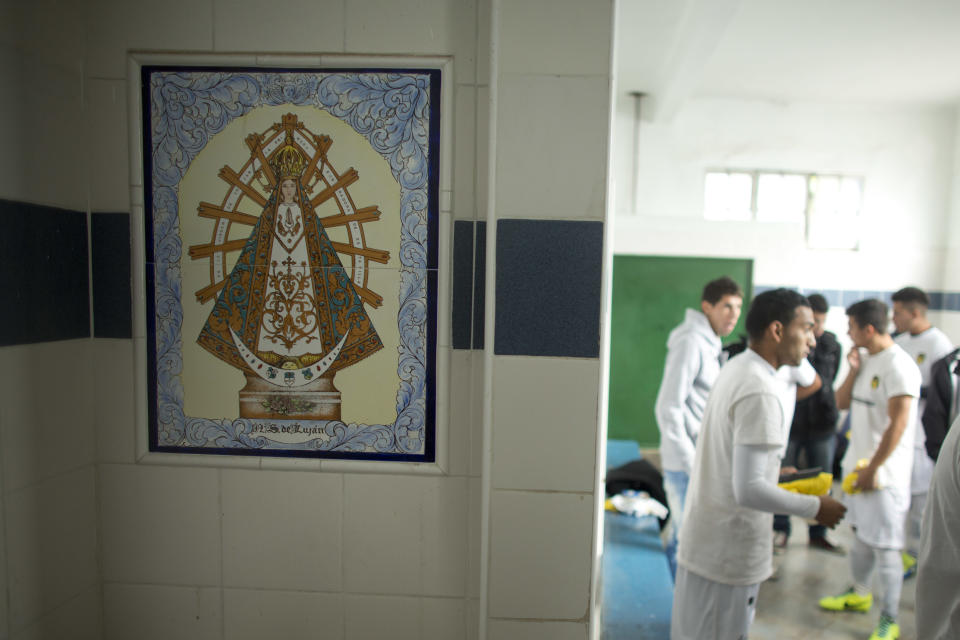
pixel 834 212
pixel 849 196
pixel 727 196
pixel 781 197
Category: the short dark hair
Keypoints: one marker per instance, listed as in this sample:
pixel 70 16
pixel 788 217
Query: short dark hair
pixel 818 303
pixel 911 295
pixel 871 312
pixel 774 305
pixel 716 289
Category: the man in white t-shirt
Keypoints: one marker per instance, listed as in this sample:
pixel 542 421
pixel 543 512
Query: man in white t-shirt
pixel 881 391
pixel 725 548
pixel 925 344
pixel 938 599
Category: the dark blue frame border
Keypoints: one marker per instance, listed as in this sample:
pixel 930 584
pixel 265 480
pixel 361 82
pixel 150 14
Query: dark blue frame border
pixel 433 190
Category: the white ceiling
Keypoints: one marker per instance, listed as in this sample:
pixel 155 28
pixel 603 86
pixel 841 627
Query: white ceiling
pixel 898 52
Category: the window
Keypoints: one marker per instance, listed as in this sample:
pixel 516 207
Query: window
pixel 781 197
pixel 828 204
pixel 834 212
pixel 728 196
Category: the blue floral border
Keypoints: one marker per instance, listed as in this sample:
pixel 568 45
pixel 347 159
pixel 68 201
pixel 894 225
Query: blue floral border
pixel 392 110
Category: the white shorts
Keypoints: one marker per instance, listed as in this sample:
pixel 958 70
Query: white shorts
pixel 879 516
pixel 706 609
pixel 922 473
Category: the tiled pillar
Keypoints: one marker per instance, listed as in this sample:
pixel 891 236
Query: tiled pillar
pixel 551 64
pixel 49 578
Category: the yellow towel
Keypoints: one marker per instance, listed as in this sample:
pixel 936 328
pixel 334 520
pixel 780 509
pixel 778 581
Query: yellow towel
pixel 816 486
pixel 852 477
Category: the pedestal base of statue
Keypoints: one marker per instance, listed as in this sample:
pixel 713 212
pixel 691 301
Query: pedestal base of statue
pixel 318 400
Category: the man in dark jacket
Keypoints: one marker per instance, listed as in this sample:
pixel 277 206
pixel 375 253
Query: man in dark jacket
pixel 814 422
pixel 941 407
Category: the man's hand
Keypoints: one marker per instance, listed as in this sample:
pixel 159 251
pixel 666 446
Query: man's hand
pixel 866 479
pixel 831 512
pixel 853 359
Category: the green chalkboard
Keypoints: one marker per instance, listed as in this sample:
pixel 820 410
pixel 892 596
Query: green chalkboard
pixel 650 295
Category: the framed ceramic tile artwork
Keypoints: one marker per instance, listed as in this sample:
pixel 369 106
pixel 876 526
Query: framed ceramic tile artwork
pixel 291 251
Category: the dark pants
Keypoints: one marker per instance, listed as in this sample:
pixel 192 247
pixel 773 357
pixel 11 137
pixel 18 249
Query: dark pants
pixel 818 453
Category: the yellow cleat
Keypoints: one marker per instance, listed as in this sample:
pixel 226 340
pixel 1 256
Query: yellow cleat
pixel 886 629
pixel 849 601
pixel 909 564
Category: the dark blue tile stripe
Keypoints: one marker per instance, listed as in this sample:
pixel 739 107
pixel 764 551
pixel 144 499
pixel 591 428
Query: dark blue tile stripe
pixel 479 285
pixel 469 279
pixel 110 266
pixel 548 288
pixel 44 288
pixel 462 304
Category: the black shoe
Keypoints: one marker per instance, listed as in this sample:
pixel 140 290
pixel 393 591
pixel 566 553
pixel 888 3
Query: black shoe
pixel 823 544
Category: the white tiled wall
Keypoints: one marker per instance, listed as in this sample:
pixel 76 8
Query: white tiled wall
pixel 553 97
pixel 46 422
pixel 446 27
pixel 40 117
pixel 295 26
pixel 105 116
pixel 51 544
pixel 573 39
pixel 540 555
pixel 47 455
pixel 464 150
pixel 160 525
pixel 200 552
pixel 291 540
pixel 462 387
pixel 346 556
pixel 509 629
pixel 157 612
pixel 405 535
pixel 560 118
pixel 77 619
pixel 113 400
pixel 255 614
pixel 49 575
pixel 376 617
pixel 545 418
pixel 114 27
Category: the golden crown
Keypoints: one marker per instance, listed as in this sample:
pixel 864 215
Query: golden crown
pixel 288 161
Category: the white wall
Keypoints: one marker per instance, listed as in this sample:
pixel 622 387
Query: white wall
pixel 190 552
pixel 49 576
pixel 283 551
pixel 905 156
pixel 551 164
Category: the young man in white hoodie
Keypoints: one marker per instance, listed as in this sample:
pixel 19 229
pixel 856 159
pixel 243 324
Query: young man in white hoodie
pixel 693 362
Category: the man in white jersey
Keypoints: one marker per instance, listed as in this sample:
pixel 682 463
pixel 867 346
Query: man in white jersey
pixel 938 598
pixel 693 361
pixel 725 544
pixel 881 391
pixel 925 344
